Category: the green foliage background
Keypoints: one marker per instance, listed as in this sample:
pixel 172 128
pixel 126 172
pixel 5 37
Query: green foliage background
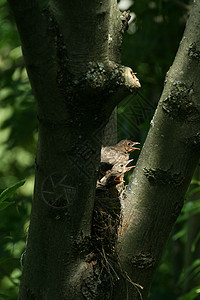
pixel 149 49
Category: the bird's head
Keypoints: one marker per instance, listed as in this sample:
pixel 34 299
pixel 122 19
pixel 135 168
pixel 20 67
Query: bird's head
pixel 127 145
pixel 121 169
pixel 131 146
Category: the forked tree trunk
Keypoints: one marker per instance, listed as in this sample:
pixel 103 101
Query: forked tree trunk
pixel 72 54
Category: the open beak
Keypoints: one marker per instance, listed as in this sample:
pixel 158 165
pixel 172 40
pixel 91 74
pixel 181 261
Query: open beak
pixel 128 162
pixel 118 179
pixel 134 148
pixel 129 168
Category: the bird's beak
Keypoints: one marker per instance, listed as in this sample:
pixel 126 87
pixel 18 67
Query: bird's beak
pixel 134 148
pixel 130 160
pixel 118 179
pixel 129 168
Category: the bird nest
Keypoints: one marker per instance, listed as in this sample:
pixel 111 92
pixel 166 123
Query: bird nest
pixel 102 260
pixel 106 220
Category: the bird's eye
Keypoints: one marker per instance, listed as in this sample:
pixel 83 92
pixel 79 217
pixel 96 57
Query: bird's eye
pixel 121 166
pixel 129 144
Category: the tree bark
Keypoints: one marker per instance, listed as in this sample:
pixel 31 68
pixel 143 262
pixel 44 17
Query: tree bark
pixel 165 167
pixel 72 55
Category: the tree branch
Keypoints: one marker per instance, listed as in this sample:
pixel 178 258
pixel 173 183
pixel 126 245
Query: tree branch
pixel 165 166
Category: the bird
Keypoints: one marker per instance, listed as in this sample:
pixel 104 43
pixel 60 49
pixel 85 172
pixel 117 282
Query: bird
pixel 118 153
pixel 114 164
pixel 109 189
pixel 114 176
pixel 107 204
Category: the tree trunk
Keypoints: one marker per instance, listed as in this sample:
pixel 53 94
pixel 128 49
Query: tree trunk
pixel 72 54
pixel 165 167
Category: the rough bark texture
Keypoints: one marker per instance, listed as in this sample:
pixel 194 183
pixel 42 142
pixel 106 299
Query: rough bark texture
pixel 165 166
pixel 72 55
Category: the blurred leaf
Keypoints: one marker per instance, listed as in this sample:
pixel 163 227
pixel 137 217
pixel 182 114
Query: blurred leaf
pixel 179 234
pixel 193 247
pixel 2 297
pixel 195 181
pixel 190 208
pixel 5 204
pixel 11 190
pixel 190 272
pixel 4 259
pixel 193 294
pixel 193 191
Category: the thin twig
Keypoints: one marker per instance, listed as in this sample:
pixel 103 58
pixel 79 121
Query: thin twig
pixel 181 4
pixel 110 264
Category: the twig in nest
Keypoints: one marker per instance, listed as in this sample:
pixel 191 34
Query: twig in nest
pixel 127 277
pixel 104 255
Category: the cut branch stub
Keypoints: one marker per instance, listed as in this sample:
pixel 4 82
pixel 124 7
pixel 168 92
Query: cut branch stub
pixel 103 86
pixel 103 75
pixel 131 81
pixel 116 81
